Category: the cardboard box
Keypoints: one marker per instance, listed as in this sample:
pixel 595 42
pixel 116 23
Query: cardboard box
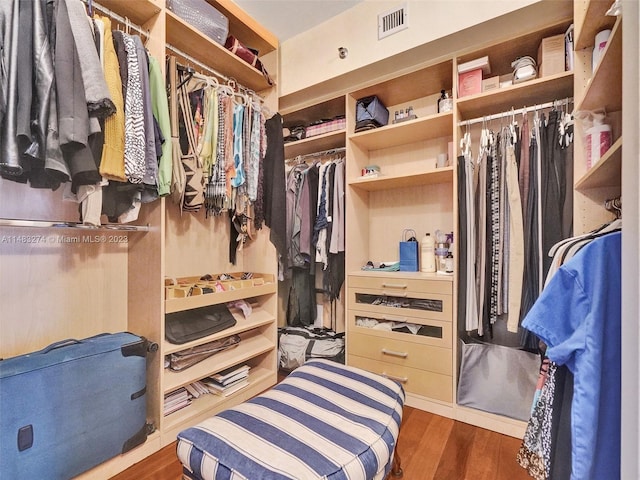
pixel 469 83
pixel 551 57
pixel 491 83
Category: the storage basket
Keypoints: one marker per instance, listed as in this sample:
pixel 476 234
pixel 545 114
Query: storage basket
pixel 204 17
pixel 370 113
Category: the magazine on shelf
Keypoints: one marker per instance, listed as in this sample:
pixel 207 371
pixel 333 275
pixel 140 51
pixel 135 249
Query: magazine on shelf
pixel 230 374
pixel 226 390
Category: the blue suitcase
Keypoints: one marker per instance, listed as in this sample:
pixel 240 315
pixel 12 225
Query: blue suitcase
pixel 72 405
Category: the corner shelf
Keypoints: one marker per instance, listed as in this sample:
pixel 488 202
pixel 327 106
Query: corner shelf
pixel 606 172
pixel 601 91
pixel 594 20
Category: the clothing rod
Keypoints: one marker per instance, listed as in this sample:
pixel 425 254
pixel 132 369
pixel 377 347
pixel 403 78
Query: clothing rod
pixel 14 222
pixel 125 21
pixel 322 153
pixel 497 116
pixel 189 58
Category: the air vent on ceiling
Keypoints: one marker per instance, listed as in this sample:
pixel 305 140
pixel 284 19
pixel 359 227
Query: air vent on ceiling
pixel 392 21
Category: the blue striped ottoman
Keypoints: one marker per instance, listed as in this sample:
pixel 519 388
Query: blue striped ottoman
pixel 324 421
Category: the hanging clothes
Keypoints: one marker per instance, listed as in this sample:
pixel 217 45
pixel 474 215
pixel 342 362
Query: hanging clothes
pixel 578 317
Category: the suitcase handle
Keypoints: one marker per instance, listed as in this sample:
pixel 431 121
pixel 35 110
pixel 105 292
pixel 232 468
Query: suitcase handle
pixel 60 344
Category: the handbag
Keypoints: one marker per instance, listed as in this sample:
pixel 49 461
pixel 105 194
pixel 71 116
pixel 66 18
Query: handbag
pixel 183 327
pixel 249 55
pixel 409 248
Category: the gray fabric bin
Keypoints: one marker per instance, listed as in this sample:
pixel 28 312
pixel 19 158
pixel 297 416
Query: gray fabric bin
pixel 498 379
pixel 203 16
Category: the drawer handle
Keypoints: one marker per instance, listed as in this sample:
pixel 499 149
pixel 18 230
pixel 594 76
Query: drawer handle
pixel 404 294
pixel 393 377
pixel 393 353
pixel 387 319
pixel 394 285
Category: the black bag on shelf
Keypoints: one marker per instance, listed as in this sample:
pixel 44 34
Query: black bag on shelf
pixel 370 113
pixel 183 327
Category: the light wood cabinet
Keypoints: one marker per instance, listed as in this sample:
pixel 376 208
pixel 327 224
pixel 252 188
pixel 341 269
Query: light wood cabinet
pixel 68 286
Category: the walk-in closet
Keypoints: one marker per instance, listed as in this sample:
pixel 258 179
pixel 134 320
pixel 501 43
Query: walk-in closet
pixel 419 198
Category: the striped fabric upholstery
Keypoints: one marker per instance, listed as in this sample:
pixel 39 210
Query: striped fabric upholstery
pixel 324 421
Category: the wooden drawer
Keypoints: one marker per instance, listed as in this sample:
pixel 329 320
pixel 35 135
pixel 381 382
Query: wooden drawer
pixel 412 304
pixel 432 332
pixel 396 284
pixel 399 352
pixel 418 382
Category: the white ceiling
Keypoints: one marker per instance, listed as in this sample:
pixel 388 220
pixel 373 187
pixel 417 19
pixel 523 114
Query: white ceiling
pixel 287 18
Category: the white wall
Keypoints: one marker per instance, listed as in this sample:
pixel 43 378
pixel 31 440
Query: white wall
pixel 356 29
pixel 630 242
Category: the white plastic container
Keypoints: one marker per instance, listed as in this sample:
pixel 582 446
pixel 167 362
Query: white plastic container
pixel 427 254
pixel 597 141
pixel 599 45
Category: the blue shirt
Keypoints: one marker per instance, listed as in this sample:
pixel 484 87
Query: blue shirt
pixel 578 316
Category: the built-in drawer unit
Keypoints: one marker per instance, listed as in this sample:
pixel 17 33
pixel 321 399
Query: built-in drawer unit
pixel 401 326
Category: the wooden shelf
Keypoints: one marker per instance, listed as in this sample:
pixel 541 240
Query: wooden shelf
pixel 193 42
pixel 172 305
pixel 326 141
pixel 411 131
pixel 604 91
pixel 526 94
pixel 245 28
pixel 384 182
pixel 138 11
pixel 258 318
pixel 212 402
pixel 594 21
pixel 426 81
pixel 606 172
pixel 250 346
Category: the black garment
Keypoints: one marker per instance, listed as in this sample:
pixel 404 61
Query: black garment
pixel 561 425
pixel 553 187
pixel 530 284
pixel 301 305
pixel 274 185
pixel 121 53
pixel 462 244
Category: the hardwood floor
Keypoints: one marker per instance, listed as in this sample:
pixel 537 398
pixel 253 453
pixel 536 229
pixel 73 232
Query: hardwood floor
pixel 430 447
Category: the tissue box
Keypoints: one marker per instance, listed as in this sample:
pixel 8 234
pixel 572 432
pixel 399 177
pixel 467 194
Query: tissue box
pixel 469 83
pixel 551 58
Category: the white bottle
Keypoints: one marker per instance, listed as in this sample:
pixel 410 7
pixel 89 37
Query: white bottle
pixel 427 254
pixel 598 140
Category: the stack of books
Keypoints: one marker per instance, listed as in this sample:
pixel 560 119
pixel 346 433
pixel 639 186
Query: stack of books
pixel 176 400
pixel 228 381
